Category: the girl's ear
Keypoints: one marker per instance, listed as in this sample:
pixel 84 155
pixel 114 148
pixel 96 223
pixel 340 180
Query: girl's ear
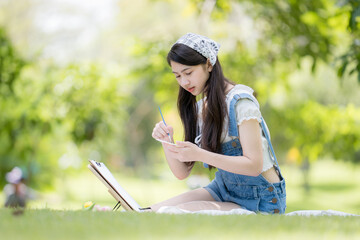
pixel 209 66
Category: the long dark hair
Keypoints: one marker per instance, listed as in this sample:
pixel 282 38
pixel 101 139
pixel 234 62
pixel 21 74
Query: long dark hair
pixel 215 110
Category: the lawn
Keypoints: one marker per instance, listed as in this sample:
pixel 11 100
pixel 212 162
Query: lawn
pixel 334 185
pixel 58 215
pixel 50 224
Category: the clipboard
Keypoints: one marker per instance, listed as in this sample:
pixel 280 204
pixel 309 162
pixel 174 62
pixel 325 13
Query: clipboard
pixel 121 196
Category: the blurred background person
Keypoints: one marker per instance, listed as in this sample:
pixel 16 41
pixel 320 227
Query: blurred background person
pixel 16 192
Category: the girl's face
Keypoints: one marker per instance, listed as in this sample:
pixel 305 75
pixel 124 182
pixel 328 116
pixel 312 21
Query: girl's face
pixel 191 78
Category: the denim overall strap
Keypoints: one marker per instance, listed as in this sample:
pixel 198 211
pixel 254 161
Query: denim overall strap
pixel 267 136
pixel 233 131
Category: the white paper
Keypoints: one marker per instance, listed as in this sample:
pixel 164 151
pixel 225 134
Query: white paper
pixel 165 142
pixel 106 174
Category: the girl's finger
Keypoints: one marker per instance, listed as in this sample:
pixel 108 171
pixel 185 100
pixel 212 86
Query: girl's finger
pixel 160 129
pixel 161 133
pixel 164 129
pixel 171 148
pixel 156 134
pixel 183 144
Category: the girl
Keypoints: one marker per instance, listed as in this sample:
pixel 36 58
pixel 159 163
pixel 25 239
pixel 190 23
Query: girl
pixel 224 130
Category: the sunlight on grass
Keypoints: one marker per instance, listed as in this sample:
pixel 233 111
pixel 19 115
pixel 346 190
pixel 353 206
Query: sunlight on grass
pixel 334 185
pixel 50 224
pixel 73 192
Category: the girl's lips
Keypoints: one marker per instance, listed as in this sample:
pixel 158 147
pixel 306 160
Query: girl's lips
pixel 191 89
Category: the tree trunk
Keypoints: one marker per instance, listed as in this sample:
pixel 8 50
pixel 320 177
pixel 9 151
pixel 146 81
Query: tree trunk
pixel 305 168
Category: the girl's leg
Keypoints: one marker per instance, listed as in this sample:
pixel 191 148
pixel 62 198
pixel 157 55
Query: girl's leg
pixel 208 205
pixel 195 200
pixel 199 194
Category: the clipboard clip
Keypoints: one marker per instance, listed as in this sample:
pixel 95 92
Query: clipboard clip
pixel 145 208
pixel 117 206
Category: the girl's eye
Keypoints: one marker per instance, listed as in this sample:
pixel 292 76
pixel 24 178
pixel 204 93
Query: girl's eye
pixel 177 76
pixel 188 73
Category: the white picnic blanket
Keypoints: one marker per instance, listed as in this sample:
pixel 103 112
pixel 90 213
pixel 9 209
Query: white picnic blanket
pixel 240 211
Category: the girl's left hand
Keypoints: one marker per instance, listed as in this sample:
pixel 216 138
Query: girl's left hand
pixel 185 151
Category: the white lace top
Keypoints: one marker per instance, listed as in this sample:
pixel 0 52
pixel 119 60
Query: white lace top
pixel 245 110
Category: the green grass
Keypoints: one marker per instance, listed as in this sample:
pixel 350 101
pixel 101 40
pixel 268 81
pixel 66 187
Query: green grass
pixel 50 224
pixel 334 185
pixel 58 215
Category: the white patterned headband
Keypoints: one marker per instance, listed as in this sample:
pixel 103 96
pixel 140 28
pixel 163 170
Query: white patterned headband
pixel 203 45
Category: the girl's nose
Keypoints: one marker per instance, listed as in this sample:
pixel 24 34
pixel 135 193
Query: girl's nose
pixel 184 81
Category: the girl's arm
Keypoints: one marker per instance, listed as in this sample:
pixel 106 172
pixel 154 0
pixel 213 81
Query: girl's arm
pixel 250 163
pixel 181 170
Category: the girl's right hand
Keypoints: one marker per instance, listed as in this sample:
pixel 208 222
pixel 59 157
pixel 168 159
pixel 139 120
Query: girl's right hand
pixel 161 131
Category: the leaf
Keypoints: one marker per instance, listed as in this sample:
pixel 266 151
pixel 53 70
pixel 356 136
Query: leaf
pixel 352 71
pixel 358 71
pixel 353 19
pixel 313 67
pixel 342 69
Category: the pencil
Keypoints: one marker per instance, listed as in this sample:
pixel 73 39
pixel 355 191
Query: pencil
pixel 165 124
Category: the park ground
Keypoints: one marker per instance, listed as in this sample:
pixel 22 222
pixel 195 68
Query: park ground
pixel 59 215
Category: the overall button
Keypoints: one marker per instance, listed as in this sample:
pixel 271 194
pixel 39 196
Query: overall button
pixel 274 200
pixel 233 144
pixel 270 189
pixel 276 211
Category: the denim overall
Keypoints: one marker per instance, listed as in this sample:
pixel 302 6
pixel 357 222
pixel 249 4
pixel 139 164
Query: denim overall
pixel 252 193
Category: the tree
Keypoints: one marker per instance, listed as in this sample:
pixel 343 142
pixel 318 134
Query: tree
pixel 10 65
pixel 107 110
pixel 294 32
pixel 350 61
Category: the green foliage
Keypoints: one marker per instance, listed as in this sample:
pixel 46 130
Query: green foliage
pixel 318 131
pixel 293 31
pixel 350 61
pixel 295 28
pixel 51 122
pixel 54 117
pixel 10 65
pixel 305 28
pixel 153 85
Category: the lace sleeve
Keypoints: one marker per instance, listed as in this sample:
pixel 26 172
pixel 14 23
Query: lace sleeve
pixel 246 110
